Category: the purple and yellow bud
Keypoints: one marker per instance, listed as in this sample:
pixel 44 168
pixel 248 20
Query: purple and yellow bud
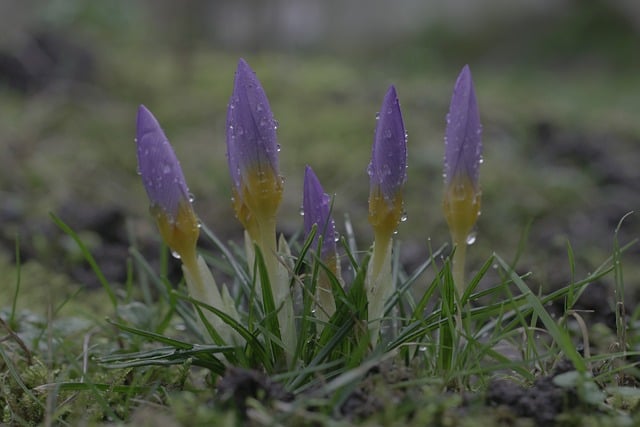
pixel 463 156
pixel 388 167
pixel 387 176
pixel 166 187
pixel 252 152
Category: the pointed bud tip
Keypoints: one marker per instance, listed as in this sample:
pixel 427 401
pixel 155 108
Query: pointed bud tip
pixel 464 78
pixel 145 121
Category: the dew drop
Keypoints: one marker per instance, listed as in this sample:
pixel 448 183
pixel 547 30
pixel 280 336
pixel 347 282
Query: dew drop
pixel 175 254
pixel 377 116
pixel 471 238
pixel 191 198
pixel 278 148
pixel 403 217
pixel 301 211
pixel 422 348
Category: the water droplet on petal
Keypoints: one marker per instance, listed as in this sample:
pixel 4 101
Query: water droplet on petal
pixel 471 238
pixel 301 211
pixel 175 254
pixel 403 217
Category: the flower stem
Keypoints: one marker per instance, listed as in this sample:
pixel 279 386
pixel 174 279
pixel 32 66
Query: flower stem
pixel 279 279
pixel 459 259
pixel 202 287
pixel 379 282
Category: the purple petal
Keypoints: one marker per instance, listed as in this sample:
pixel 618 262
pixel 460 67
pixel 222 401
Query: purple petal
pixel 388 167
pixel 158 165
pixel 463 138
pixel 316 205
pixel 251 128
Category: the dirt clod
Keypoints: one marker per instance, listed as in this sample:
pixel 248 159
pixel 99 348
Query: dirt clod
pixel 237 385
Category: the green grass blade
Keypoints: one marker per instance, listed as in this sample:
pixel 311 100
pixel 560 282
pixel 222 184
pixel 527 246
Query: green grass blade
pixel 561 337
pixel 88 257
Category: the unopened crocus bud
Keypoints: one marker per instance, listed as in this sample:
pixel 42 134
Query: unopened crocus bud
pixel 316 205
pixel 387 176
pixel 388 167
pixel 166 187
pixel 252 152
pixel 463 155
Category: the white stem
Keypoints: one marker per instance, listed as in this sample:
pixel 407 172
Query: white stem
pixel 202 287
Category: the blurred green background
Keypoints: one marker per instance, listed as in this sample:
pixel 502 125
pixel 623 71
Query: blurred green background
pixel 558 86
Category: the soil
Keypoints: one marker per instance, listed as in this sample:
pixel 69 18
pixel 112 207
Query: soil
pixel 542 401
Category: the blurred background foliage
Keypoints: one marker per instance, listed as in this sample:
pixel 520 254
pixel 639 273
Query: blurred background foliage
pixel 557 83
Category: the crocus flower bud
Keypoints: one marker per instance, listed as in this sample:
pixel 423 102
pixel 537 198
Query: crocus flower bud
pixel 316 205
pixel 463 155
pixel 388 167
pixel 166 187
pixel 252 151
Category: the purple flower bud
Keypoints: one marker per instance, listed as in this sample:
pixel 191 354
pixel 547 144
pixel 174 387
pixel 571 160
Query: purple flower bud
pixel 158 165
pixel 166 187
pixel 316 206
pixel 252 149
pixel 463 138
pixel 388 167
pixel 463 155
